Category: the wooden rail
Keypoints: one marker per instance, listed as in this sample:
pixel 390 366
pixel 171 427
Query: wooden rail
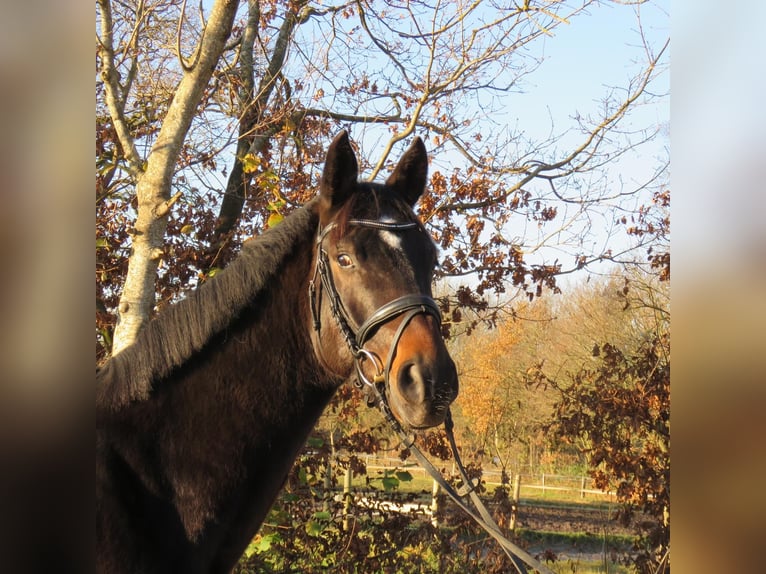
pixel 544 482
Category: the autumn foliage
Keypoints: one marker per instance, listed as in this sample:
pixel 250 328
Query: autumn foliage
pixel 621 410
pixel 276 97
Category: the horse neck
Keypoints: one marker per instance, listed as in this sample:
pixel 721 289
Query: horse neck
pixel 264 366
pixel 242 409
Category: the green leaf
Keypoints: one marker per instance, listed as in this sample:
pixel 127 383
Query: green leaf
pixel 315 442
pixel 318 523
pixel 268 180
pixel 274 219
pixel 262 544
pixel 213 271
pixel 280 517
pixel 275 205
pixel 404 476
pixel 105 166
pixel 314 528
pixel 102 242
pixel 250 163
pixel 187 229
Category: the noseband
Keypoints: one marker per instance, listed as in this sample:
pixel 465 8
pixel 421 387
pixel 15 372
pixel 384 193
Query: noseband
pixel 407 305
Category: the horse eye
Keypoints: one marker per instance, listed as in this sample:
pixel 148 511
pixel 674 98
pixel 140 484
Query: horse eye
pixel 345 261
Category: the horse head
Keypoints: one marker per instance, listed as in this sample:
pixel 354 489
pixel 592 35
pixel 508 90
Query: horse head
pixel 373 313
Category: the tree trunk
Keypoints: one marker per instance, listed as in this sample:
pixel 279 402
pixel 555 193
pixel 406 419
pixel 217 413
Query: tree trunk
pixel 153 185
pixel 254 105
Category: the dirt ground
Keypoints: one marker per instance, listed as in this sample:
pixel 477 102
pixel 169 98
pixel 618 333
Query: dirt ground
pixel 570 519
pixel 596 523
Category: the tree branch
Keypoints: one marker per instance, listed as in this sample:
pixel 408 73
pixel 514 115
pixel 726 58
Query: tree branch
pixel 186 67
pixel 114 93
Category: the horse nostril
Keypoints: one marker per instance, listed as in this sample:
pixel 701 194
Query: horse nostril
pixel 411 381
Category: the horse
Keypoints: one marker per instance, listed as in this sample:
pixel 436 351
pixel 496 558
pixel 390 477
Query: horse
pixel 200 420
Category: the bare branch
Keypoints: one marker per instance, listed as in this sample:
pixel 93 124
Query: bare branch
pixel 154 184
pixel 184 65
pixel 116 94
pixel 164 208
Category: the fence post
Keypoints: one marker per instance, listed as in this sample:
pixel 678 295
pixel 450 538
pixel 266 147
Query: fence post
pixel 347 499
pixel 515 501
pixel 327 486
pixel 542 481
pixel 328 494
pixel 435 503
pixel 582 488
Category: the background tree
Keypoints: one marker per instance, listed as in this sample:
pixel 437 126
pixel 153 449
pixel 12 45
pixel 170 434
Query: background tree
pixel 499 412
pixel 291 74
pixel 555 335
pixel 153 174
pixel 617 408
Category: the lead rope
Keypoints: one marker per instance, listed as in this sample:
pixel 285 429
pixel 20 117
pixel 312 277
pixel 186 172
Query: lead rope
pixel 480 514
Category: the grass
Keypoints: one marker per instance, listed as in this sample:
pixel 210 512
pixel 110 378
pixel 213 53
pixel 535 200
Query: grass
pixel 578 542
pixel 421 482
pixel 572 497
pixel 589 567
pixel 583 541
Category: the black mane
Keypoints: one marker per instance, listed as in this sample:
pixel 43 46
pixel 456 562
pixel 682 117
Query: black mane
pixel 184 328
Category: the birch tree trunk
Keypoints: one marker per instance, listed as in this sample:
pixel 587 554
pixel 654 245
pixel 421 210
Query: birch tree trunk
pixel 154 182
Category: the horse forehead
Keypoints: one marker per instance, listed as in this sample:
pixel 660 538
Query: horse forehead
pixel 395 238
pixel 391 238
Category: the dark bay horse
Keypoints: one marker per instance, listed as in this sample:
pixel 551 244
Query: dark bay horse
pixel 200 420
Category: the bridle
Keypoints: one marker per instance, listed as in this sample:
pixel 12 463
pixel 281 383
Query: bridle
pixel 408 305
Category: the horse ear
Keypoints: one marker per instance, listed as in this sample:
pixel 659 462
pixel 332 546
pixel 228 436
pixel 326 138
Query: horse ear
pixel 411 173
pixel 340 171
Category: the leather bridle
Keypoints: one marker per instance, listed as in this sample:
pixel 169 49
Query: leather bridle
pixel 408 305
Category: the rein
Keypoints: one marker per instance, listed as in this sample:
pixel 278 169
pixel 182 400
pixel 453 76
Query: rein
pixel 519 557
pixel 410 306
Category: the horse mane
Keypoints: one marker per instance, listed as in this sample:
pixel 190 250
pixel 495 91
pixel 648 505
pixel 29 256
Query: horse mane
pixel 184 328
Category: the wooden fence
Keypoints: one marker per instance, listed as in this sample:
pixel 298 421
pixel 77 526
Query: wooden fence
pixel 533 485
pixel 529 483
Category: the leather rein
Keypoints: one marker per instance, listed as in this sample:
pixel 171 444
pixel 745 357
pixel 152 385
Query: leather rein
pixel 375 390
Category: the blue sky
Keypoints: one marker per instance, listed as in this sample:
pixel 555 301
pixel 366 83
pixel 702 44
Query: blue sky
pixel 598 53
pixel 583 60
